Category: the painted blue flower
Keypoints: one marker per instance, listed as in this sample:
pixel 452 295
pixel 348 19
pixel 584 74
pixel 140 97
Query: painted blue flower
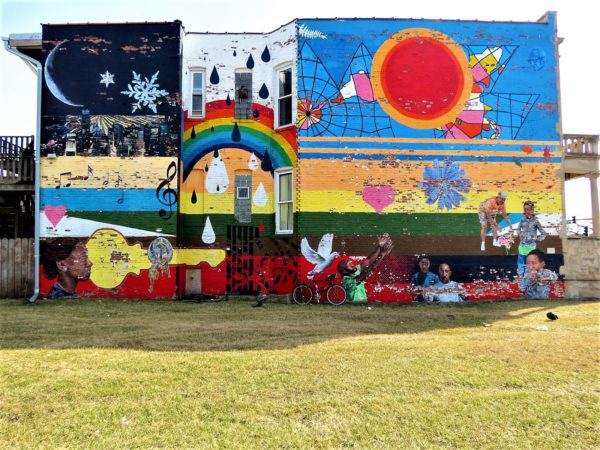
pixel 443 184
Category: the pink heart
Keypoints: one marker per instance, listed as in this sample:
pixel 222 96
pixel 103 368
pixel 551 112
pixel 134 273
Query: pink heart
pixel 55 214
pixel 379 197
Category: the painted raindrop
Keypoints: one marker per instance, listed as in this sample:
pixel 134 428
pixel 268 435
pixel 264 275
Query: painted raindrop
pixel 260 196
pixel 214 76
pixel 253 162
pixel 264 92
pixel 208 235
pixel 250 62
pixel 193 134
pixel 234 53
pixel 235 134
pixel 266 163
pixel 228 100
pixel 217 180
pixel 194 197
pixel 266 56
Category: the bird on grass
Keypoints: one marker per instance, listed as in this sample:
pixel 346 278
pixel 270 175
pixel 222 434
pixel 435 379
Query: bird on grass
pixel 551 316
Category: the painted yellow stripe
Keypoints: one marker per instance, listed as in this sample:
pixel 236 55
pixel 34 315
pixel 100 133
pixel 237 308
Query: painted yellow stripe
pixel 333 175
pixel 106 172
pixel 219 204
pixel 412 201
pixel 427 140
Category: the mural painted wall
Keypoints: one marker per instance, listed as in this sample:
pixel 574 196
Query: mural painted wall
pixel 236 138
pixel 111 137
pixel 436 133
pixel 353 147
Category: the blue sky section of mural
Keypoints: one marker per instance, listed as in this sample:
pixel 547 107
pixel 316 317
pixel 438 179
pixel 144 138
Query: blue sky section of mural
pixel 335 58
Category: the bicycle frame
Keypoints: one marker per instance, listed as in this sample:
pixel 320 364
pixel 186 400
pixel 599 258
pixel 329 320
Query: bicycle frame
pixel 308 290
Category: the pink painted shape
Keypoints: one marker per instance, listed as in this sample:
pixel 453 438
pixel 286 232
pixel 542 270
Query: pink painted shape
pixel 362 83
pixel 454 133
pixel 55 214
pixel 379 197
pixel 472 116
pixel 479 73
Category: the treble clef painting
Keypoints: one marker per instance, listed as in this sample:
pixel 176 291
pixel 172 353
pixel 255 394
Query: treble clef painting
pixel 165 194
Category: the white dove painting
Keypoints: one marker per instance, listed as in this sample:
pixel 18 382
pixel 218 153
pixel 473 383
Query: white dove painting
pixel 323 257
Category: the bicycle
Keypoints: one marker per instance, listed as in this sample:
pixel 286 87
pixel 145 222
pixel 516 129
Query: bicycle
pixel 303 293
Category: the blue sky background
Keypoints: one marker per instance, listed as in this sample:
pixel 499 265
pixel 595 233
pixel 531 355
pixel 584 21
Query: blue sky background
pixel 577 23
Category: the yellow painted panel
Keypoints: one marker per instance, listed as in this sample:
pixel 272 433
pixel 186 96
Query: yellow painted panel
pixel 413 201
pixel 105 172
pixel 194 256
pixel 220 203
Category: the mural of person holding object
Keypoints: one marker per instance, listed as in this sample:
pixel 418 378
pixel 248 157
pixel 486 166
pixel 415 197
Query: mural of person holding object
pixel 353 277
pixel 65 259
pixel 487 216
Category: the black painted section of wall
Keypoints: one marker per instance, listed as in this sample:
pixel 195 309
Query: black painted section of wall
pixel 89 71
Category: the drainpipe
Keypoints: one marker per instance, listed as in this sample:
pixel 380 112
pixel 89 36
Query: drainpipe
pixel 38 66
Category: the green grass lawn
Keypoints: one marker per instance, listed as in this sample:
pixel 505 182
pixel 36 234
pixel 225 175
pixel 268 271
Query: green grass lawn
pixel 225 375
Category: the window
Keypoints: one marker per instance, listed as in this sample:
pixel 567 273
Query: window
pixel 243 193
pixel 197 93
pixel 284 97
pixel 284 199
pixel 243 94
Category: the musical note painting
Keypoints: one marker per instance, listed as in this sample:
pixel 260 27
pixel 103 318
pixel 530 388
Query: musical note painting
pixel 107 192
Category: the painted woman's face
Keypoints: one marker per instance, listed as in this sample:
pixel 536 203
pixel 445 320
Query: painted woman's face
pixel 77 265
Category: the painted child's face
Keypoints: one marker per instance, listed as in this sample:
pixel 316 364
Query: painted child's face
pixel 534 264
pixel 529 211
pixel 424 265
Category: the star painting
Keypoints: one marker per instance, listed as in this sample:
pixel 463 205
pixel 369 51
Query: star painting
pixel 107 78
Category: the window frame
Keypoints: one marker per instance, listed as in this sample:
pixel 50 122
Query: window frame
pixel 237 194
pixel 278 173
pixel 278 97
pixel 201 71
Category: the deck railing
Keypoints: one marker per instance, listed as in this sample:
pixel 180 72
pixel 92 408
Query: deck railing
pixel 580 144
pixel 17 162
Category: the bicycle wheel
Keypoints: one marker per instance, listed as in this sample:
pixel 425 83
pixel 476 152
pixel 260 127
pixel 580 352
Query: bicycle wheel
pixel 302 294
pixel 336 295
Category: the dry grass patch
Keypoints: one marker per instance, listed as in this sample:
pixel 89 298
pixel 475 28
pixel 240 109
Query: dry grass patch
pixel 227 375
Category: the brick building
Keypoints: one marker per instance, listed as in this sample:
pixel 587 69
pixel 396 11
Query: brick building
pixel 187 163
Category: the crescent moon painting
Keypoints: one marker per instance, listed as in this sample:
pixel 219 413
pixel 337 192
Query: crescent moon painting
pixel 49 71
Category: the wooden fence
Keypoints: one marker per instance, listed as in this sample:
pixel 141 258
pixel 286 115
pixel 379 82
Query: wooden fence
pixel 16 268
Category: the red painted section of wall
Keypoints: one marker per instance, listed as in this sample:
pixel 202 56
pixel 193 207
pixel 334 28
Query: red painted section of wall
pixel 133 286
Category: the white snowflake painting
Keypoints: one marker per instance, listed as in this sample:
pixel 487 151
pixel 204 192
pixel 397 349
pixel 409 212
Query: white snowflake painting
pixel 146 92
pixel 107 78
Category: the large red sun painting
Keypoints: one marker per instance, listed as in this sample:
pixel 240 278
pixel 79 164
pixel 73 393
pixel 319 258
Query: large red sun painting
pixel 421 78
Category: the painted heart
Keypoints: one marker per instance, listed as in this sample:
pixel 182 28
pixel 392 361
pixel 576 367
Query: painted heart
pixel 55 214
pixel 379 197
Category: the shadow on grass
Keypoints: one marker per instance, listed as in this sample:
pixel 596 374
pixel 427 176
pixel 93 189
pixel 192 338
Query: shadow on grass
pixel 162 325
